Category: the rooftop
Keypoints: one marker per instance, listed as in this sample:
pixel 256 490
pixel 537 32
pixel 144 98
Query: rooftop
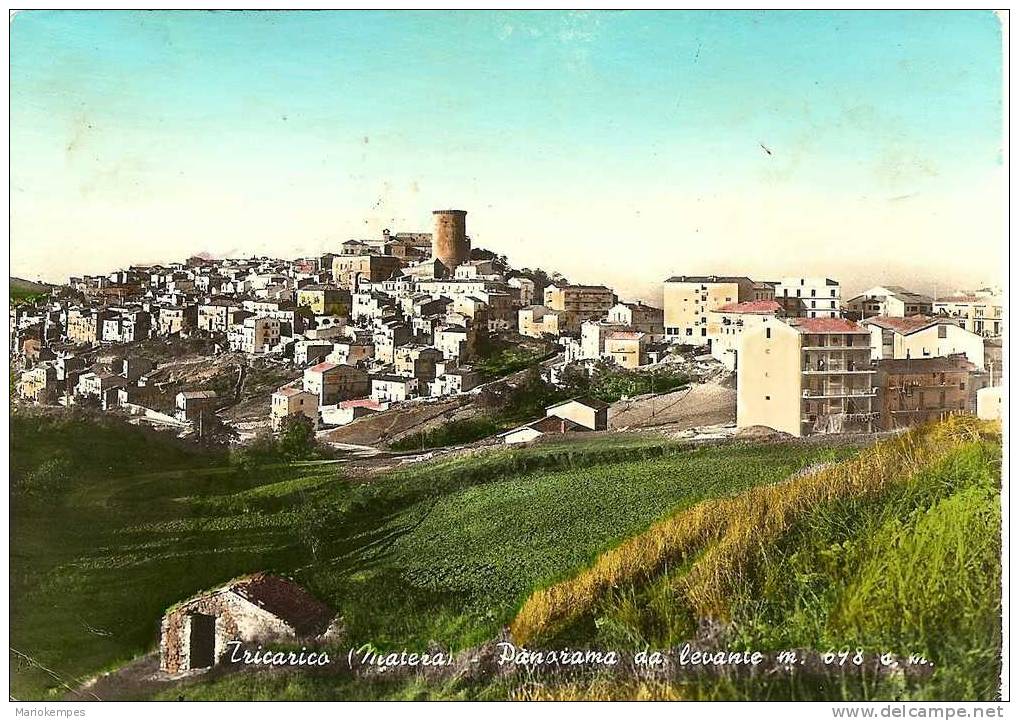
pixel 288 392
pixel 197 395
pixel 583 287
pixel 391 378
pixel 323 367
pixel 583 400
pixel 708 279
pixel 937 364
pixel 359 403
pixel 905 326
pixel 286 600
pixel 825 325
pixel 896 291
pixel 962 299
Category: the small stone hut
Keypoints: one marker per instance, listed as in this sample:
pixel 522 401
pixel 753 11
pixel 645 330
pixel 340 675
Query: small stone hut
pixel 252 609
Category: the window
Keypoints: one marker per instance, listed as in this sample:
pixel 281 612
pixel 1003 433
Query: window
pixel 813 292
pixel 942 331
pixel 689 331
pixel 704 331
pixel 767 398
pixel 767 332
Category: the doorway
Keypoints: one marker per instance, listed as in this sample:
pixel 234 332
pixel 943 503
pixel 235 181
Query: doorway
pixel 201 641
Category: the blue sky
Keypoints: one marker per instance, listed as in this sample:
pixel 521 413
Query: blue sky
pixel 150 135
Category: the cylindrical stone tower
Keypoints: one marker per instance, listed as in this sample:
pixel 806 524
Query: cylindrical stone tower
pixel 449 238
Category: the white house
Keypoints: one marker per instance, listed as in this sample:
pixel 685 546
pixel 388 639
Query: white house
pixel 922 337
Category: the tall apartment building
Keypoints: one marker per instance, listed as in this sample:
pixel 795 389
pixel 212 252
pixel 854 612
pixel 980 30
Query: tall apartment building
pixel 578 303
pixel 817 297
pixel 689 300
pixel 913 391
pixel 806 375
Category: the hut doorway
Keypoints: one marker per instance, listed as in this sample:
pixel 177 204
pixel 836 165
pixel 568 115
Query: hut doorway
pixel 201 641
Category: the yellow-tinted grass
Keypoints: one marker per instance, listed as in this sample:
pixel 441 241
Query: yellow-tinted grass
pixel 603 689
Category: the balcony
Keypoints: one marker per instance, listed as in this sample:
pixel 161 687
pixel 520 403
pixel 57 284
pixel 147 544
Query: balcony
pixel 836 347
pixel 839 392
pixel 835 369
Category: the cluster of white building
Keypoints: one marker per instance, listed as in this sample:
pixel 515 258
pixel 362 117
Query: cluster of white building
pixel 388 320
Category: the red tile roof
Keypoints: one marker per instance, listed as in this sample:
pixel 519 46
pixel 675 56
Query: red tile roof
pixel 322 367
pixel 286 600
pixel 825 325
pixel 905 326
pixel 359 403
pixel 289 391
pixel 755 307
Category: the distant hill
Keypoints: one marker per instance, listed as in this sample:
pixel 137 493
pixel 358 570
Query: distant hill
pixel 21 288
pixel 29 286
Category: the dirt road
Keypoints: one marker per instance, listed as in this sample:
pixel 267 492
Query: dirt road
pixel 702 404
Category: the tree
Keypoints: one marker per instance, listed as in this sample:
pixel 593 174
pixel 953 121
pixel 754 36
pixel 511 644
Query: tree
pixel 297 438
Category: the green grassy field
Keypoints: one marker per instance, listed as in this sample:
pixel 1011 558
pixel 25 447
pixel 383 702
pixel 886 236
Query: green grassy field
pixel 440 552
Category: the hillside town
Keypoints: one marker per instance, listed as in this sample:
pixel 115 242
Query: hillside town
pixel 380 326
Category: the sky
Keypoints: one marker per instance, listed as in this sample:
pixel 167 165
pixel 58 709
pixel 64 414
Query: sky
pixel 615 147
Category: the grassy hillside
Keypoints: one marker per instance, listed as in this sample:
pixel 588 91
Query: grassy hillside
pixel 896 551
pixel 445 551
pixel 23 291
